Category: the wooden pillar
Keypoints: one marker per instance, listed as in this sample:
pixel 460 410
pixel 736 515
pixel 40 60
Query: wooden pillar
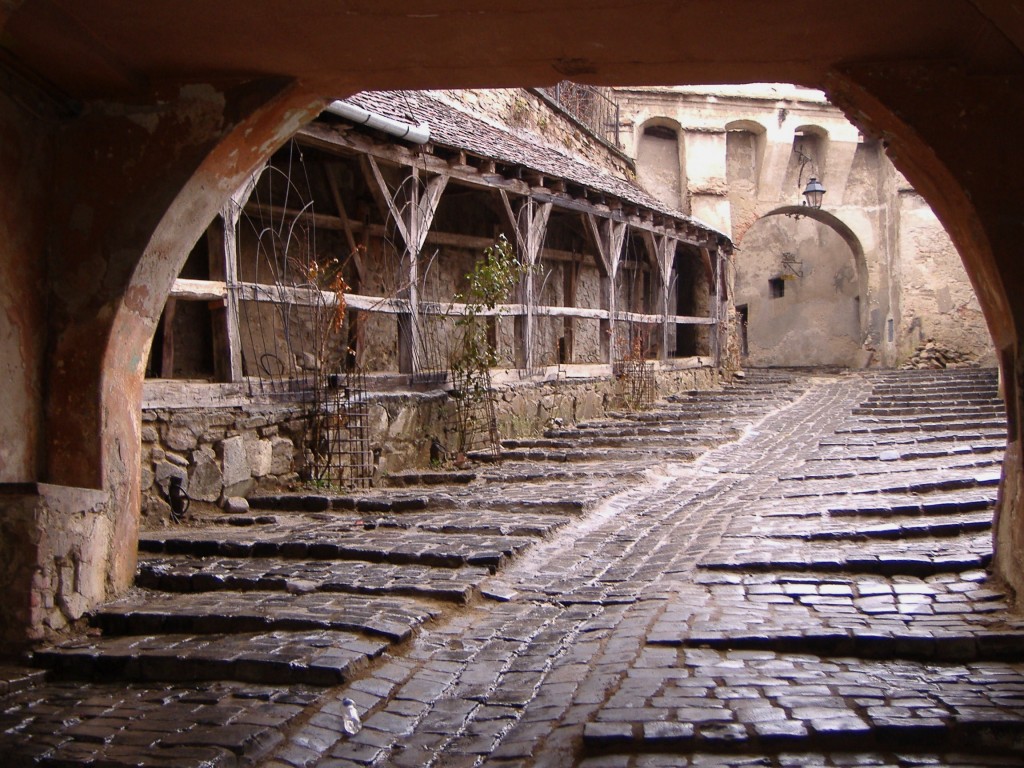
pixel 530 223
pixel 609 236
pixel 413 214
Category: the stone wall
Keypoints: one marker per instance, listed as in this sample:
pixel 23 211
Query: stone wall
pixel 223 444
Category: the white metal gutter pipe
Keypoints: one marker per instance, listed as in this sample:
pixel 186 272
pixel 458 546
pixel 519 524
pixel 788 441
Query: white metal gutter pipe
pixel 415 134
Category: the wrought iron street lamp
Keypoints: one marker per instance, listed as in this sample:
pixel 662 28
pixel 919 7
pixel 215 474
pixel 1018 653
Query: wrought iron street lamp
pixel 813 193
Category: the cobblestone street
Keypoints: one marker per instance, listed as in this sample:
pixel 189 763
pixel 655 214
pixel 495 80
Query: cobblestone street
pixel 788 571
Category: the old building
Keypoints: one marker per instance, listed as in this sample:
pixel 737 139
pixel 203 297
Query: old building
pixel 126 131
pixel 865 280
pixel 315 330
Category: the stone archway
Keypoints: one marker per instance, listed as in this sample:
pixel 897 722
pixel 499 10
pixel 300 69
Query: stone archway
pixel 811 310
pixel 88 102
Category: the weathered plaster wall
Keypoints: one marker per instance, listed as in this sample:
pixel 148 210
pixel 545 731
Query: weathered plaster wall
pixel 816 321
pixel 54 556
pixel 659 165
pixel 24 169
pixel 775 138
pixel 936 301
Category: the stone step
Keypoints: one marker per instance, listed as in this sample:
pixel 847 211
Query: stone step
pixel 927 414
pixel 114 725
pixel 212 574
pixel 604 450
pixel 323 540
pixel 146 612
pixel 894 438
pixel 953 427
pixel 904 530
pixel 479 521
pixel 300 502
pixel 411 477
pixel 896 505
pixel 913 557
pixel 895 483
pixel 312 657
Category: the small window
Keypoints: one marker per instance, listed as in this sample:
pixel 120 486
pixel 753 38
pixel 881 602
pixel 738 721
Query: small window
pixel 776 288
pixel 891 330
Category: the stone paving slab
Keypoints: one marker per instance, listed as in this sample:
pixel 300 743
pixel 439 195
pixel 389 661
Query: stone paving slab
pixel 147 612
pixel 313 657
pixel 221 725
pixel 330 540
pixel 190 574
pixel 950 617
pixel 694 699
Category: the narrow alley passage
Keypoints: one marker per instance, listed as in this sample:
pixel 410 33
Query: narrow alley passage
pixel 788 571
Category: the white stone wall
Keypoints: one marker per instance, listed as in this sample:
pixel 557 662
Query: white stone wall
pixel 748 152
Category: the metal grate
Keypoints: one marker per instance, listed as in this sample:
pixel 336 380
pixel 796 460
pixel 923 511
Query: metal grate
pixel 340 434
pixel 593 107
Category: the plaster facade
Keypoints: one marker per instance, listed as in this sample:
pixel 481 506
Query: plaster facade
pixel 866 282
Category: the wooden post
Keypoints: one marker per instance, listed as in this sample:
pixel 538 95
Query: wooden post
pixel 223 242
pixel 412 220
pixel 530 224
pixel 609 236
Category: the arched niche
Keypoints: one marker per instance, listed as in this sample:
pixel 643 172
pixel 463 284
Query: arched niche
pixel 661 161
pixel 802 277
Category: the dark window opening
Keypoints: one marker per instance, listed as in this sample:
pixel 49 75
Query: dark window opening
pixel 776 288
pixel 743 317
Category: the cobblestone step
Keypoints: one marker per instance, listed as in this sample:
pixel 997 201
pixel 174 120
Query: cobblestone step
pixel 911 504
pixel 914 557
pixel 313 657
pixel 965 437
pixel 939 618
pixel 190 574
pixel 146 612
pixel 117 725
pixel 339 541
pixel 953 427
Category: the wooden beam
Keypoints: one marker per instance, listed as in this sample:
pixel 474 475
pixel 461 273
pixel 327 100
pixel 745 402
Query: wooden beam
pixel 204 290
pixel 339 204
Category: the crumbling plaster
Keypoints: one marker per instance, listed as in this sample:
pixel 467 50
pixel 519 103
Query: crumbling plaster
pixel 865 194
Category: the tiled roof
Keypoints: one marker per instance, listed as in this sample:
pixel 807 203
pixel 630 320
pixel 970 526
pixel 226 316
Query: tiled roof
pixel 457 129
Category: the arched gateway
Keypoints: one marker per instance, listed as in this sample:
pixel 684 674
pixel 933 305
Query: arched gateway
pixel 125 129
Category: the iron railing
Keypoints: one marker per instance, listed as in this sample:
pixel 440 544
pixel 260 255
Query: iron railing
pixel 593 107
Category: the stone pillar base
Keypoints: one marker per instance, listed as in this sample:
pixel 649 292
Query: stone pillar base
pixel 54 547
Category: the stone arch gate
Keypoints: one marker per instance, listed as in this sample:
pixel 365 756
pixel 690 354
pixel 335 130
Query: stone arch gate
pixel 124 132
pixel 818 303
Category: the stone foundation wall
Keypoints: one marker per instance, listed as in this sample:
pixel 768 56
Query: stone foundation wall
pixel 232 446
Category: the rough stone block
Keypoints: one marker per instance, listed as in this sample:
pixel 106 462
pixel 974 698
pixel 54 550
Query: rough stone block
pixel 282 451
pixel 180 438
pixel 236 505
pixel 260 455
pixel 234 461
pixel 205 480
pixel 164 470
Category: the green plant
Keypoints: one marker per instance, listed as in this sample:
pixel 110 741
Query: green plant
pixel 489 283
